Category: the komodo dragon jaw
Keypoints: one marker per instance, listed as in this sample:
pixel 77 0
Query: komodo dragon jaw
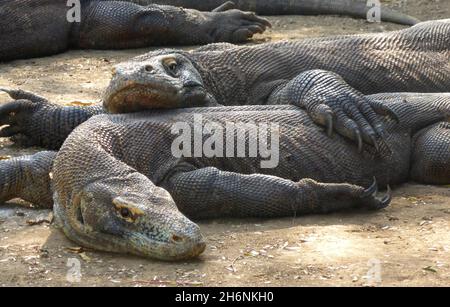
pixel 162 82
pixel 144 222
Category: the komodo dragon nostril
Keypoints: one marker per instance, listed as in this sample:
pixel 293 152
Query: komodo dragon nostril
pixel 192 84
pixel 177 239
pixel 148 68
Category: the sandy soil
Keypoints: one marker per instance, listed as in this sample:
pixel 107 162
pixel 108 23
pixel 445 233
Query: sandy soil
pixel 406 244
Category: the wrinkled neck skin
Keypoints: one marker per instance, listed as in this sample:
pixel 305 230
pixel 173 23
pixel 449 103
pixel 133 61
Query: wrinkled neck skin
pixel 226 84
pixel 216 92
pixel 70 227
pixel 65 218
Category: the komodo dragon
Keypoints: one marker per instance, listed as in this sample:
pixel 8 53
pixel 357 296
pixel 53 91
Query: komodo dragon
pixel 32 28
pixel 415 59
pixel 292 72
pixel 355 8
pixel 111 180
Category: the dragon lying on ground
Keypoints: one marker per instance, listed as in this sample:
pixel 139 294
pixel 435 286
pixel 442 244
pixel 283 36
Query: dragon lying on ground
pixel 355 8
pixel 415 59
pixel 32 28
pixel 116 186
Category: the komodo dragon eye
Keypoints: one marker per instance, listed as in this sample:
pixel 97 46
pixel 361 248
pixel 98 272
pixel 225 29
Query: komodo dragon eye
pixel 171 65
pixel 125 213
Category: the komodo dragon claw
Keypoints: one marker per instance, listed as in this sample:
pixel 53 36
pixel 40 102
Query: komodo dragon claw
pixel 329 124
pixel 386 200
pixel 359 140
pixel 229 5
pixel 372 190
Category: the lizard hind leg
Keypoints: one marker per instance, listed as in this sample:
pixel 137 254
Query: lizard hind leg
pixel 28 178
pixel 211 193
pixel 431 155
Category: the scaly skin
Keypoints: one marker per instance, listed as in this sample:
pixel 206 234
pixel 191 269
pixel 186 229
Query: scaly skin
pixel 29 178
pixel 427 159
pixel 33 28
pixel 355 8
pixel 113 175
pixel 32 120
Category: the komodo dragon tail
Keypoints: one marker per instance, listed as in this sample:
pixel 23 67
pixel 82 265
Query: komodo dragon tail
pixel 354 8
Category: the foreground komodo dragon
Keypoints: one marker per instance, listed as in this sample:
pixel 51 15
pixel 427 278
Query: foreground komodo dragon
pixel 355 8
pixel 32 28
pixel 111 180
pixel 415 59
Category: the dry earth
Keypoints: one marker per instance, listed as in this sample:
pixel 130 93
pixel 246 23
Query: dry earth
pixel 408 243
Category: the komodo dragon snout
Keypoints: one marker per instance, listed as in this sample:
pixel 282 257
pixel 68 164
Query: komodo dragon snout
pixel 164 81
pixel 129 215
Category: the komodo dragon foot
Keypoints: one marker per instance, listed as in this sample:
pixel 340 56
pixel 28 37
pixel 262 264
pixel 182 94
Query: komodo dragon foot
pixel 231 25
pixel 333 103
pixel 32 120
pixel 28 178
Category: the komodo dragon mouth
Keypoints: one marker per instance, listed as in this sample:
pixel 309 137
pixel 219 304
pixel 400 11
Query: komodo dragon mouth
pixel 135 97
pixel 138 97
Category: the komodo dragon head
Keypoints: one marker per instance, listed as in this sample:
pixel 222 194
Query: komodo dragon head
pixel 127 215
pixel 160 79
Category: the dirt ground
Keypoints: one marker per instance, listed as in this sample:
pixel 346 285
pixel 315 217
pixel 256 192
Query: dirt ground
pixel 407 244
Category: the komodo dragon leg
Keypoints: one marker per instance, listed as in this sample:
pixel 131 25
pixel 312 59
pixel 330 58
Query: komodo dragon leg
pixel 333 103
pixel 34 121
pixel 28 178
pixel 209 192
pixel 111 25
